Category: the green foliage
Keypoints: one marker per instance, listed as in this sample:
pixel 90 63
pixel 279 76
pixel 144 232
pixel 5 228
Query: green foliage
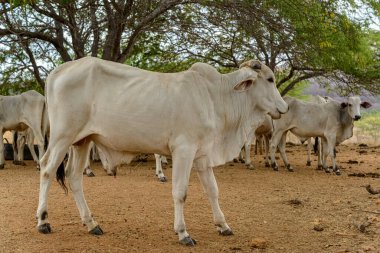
pixel 369 124
pixel 18 88
pixel 298 91
pixel 150 54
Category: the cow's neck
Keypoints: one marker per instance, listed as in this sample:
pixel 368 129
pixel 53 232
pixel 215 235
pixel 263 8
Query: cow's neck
pixel 234 109
pixel 347 125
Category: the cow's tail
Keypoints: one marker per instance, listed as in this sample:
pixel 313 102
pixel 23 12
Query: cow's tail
pixel 46 142
pixel 60 176
pixel 316 144
pixel 45 125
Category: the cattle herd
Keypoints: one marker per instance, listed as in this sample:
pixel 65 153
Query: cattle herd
pixel 199 117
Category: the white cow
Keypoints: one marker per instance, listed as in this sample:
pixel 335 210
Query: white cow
pixel 20 139
pixel 332 121
pixel 20 112
pixel 207 118
pixel 261 130
pixel 318 100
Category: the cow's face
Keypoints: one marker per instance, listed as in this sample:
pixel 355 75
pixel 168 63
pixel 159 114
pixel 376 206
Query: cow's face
pixel 263 91
pixel 353 105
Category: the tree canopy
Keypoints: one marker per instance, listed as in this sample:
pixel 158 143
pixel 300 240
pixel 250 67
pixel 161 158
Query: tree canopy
pixel 331 40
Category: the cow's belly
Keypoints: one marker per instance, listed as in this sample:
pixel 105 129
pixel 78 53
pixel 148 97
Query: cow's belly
pixel 307 132
pixel 132 143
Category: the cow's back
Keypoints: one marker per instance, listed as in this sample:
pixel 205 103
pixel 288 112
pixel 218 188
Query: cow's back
pixel 127 108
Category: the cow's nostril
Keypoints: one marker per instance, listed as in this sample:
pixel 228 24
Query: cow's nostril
pixel 357 117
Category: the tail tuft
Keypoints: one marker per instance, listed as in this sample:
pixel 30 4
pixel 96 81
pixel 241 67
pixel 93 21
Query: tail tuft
pixel 60 176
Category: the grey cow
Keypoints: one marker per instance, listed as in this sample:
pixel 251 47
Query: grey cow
pixel 331 121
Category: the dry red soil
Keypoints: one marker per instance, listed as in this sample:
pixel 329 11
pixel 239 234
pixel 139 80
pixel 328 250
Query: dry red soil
pixel 304 211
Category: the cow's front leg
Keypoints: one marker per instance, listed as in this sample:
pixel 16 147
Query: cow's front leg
pixel 182 163
pixel 281 148
pixel 336 168
pixel 273 148
pixel 159 172
pixel 266 139
pixel 210 186
pixel 325 154
pixel 319 153
pixel 78 159
pixel 248 161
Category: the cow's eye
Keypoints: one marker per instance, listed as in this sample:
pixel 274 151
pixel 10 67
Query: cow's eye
pixel 270 79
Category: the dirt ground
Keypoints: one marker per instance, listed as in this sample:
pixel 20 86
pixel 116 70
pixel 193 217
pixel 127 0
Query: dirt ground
pixel 304 211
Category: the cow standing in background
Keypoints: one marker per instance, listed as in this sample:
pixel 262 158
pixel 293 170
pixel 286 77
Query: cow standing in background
pixel 20 139
pixel 20 112
pixel 331 121
pixel 207 118
pixel 262 131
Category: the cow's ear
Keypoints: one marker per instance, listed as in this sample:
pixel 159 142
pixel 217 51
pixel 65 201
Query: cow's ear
pixel 244 85
pixel 365 105
pixel 343 105
pixel 256 65
pixel 253 64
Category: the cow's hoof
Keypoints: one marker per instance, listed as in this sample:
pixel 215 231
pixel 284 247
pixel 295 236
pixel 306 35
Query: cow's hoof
pixel 226 232
pixel 1 166
pixel 235 160
pixel 91 174
pixel 274 167
pixel 338 173
pixel 188 241
pixel 327 171
pixel 267 165
pixel 96 231
pixel 319 167
pixel 289 168
pixel 162 179
pixel 44 228
pixel 308 163
pixel 249 166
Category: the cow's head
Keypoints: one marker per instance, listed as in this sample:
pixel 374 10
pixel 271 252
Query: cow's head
pixel 353 105
pixel 263 89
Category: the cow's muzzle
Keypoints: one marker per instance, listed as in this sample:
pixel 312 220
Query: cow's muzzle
pixel 282 107
pixel 357 117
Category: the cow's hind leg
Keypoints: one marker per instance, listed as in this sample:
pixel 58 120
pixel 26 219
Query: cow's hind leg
pixel 309 145
pixel 210 186
pixel 78 159
pixel 33 153
pixel 49 165
pixel 182 163
pixel 159 173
